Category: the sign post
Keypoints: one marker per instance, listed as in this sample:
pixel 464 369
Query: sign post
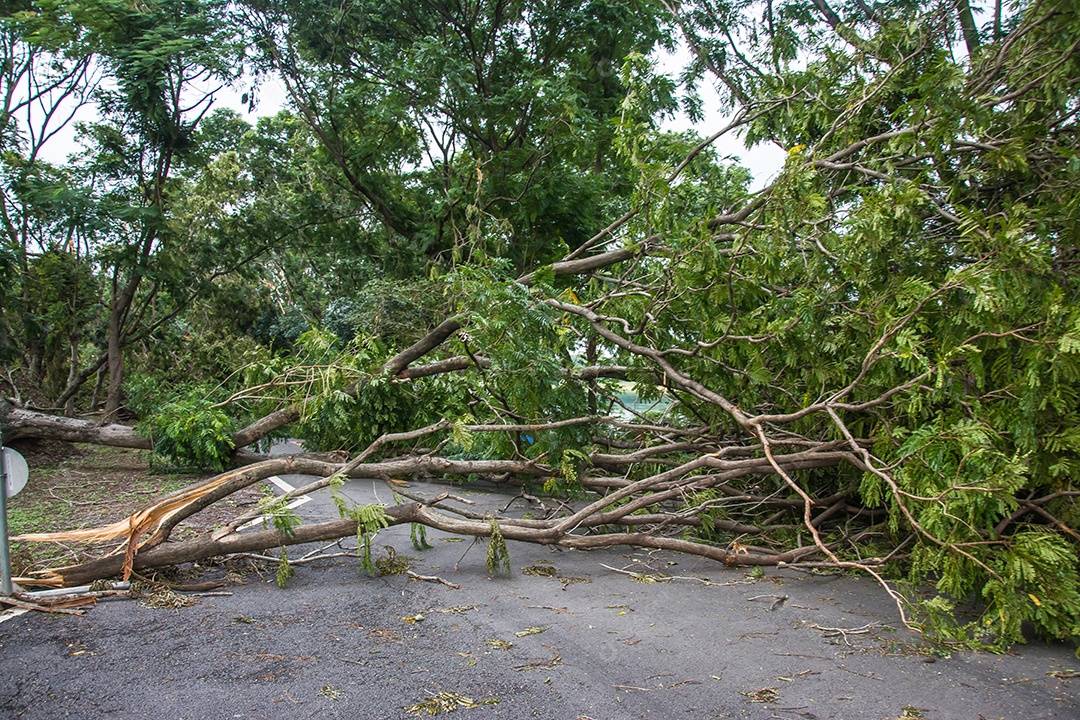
pixel 5 558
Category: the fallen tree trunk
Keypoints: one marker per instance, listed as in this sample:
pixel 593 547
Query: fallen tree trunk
pixel 19 423
pixel 617 515
pixel 206 547
pixel 191 551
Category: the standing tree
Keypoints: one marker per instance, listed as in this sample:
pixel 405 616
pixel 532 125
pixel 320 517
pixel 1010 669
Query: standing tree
pixel 167 60
pixel 46 78
pixel 468 130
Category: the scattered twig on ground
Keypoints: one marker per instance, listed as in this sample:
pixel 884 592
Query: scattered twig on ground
pixel 432 578
pixel 39 607
pixel 778 600
pixel 554 661
pixel 552 608
pixel 844 632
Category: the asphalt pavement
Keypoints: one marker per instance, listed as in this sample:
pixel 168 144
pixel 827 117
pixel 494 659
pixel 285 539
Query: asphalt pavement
pixel 600 635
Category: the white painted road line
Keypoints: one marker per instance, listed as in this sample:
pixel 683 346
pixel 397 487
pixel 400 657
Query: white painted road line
pixel 285 488
pixel 14 612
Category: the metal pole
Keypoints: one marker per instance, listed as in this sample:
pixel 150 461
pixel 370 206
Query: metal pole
pixel 5 558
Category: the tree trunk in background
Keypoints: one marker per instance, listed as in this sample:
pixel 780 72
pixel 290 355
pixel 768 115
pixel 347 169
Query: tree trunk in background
pixel 115 365
pixel 73 374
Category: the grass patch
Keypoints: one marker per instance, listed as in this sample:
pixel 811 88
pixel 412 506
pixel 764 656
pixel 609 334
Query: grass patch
pixel 72 487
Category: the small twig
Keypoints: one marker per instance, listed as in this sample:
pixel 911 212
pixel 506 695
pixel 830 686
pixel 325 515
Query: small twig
pixel 844 632
pixel 352 662
pixel 429 501
pixel 300 561
pixel 552 608
pixel 288 697
pixel 467 549
pixel 833 632
pixel 256 556
pixel 324 548
pixel 650 577
pixel 74 503
pixel 631 687
pixel 685 682
pixel 865 675
pixel 778 600
pixel 524 496
pixel 432 578
pixel 555 661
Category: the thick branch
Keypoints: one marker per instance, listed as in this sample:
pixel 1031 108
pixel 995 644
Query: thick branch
pixel 588 264
pixel 18 423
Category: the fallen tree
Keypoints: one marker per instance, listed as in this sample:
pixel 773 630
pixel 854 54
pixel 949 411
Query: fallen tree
pixel 870 364
pixel 144 534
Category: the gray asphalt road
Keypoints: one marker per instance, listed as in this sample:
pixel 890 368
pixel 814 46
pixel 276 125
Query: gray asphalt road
pixel 711 643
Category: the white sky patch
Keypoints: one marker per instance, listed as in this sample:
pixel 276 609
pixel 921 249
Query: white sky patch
pixel 764 161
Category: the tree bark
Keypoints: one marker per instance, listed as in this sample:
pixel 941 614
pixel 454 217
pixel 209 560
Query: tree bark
pixel 115 351
pixel 17 423
pixel 967 25
pixel 79 378
pixel 258 541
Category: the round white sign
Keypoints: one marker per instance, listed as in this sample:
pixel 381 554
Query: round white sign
pixel 15 472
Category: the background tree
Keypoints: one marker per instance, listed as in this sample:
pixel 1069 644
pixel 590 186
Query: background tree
pixel 464 128
pixel 46 77
pixel 158 56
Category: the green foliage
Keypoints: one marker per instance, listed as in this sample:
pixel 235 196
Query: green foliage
pixel 285 571
pixel 531 353
pixel 395 312
pixel 188 431
pixel 334 419
pixel 393 564
pixel 498 556
pixel 710 512
pixel 276 511
pixel 418 537
pixel 568 483
pixel 59 295
pixel 570 464
pixel 460 433
pixel 1038 584
pixel 370 519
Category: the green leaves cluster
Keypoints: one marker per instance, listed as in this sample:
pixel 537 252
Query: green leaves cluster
pixel 370 519
pixel 911 267
pixel 498 556
pixel 190 431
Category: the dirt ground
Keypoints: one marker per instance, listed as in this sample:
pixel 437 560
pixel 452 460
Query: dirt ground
pixel 600 635
pixel 75 486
